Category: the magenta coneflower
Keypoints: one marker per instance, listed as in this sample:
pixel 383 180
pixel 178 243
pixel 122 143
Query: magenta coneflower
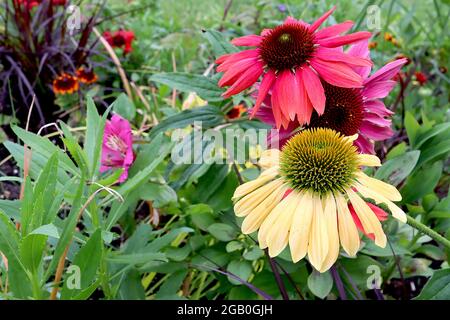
pixel 349 110
pixel 292 59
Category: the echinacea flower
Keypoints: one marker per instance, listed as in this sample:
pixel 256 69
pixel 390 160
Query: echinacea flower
pixel 292 59
pixel 86 76
pixel 117 148
pixel 352 110
pixel 30 4
pixel 302 199
pixel 65 84
pixel 236 112
pixel 120 39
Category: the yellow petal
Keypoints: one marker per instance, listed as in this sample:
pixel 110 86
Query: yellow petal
pixel 332 230
pixel 368 219
pixel 386 190
pixel 278 234
pixel 369 160
pixel 300 227
pixel 254 219
pixel 352 137
pixel 271 218
pixel 250 186
pixel 348 233
pixel 318 237
pixel 269 158
pixel 248 203
pixel 395 210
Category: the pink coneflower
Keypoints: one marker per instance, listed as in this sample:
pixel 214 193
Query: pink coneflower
pixel 292 59
pixel 351 110
pixel 117 148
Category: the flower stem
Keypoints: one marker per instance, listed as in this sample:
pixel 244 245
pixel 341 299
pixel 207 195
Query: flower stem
pixel 428 231
pixel 277 275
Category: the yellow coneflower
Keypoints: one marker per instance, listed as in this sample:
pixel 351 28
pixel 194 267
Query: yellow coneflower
pixel 313 196
pixel 65 84
pixel 86 76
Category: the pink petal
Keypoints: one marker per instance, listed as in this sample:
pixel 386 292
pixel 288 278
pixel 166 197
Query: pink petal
pixel 364 145
pixel 286 96
pixel 235 71
pixel 290 19
pixel 265 32
pixel 321 20
pixel 252 40
pixel 314 89
pixel 361 50
pixel 334 30
pixel 378 107
pixel 249 77
pixel 378 89
pixel 336 73
pixel 380 213
pixel 304 108
pixel 388 71
pixel 329 54
pixel 377 120
pixel 266 85
pixel 343 40
pixel 375 132
pixel 227 60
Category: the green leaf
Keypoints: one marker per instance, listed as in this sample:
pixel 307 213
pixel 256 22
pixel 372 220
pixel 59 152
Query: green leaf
pixel 435 130
pixel 434 152
pixel 87 259
pixel 202 215
pixel 49 230
pixel 209 116
pixel 241 269
pixel 9 245
pixel 137 258
pixel 397 169
pixel 124 107
pixel 172 285
pixel 219 44
pixel 222 231
pixel 205 87
pixel 320 284
pixel 412 128
pixel 160 194
pixel 438 287
pixel 421 182
pixel 31 251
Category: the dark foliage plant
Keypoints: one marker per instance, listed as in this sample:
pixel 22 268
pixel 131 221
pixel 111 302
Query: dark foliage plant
pixel 41 40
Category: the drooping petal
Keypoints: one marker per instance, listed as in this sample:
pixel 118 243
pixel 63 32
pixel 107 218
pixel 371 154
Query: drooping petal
pixel 250 186
pixel 248 78
pixel 385 189
pixel 254 219
pixel 269 158
pixel 328 54
pixel 266 84
pixel 348 233
pixel 369 160
pixel 387 72
pixel 227 60
pixel 321 20
pixel 361 50
pixel 375 132
pixel 336 73
pixel 301 227
pixel 332 231
pixel 314 88
pixel 364 145
pixel 252 40
pixel 318 237
pixel 304 108
pixel 378 89
pixel 344 40
pixel 377 107
pixel 235 72
pixel 286 96
pixel 377 119
pixel 334 30
pixel 368 219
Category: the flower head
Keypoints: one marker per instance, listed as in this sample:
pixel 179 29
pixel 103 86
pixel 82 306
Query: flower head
pixel 117 148
pixel 421 78
pixel 120 39
pixel 30 4
pixel 293 59
pixel 65 84
pixel 86 76
pixel 302 198
pixel 352 110
pixel 236 112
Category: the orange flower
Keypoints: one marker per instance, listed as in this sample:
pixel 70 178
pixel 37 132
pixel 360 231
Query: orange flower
pixel 373 44
pixel 236 112
pixel 87 76
pixel 65 84
pixel 388 36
